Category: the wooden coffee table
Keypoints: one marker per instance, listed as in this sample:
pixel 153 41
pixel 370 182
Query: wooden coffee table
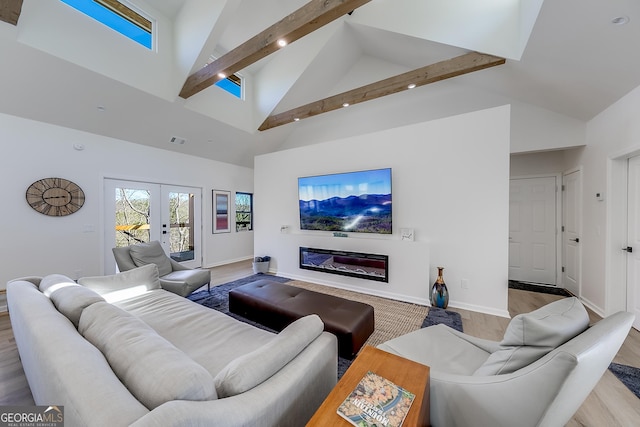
pixel 412 376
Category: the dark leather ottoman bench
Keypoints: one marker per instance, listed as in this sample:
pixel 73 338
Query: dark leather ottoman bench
pixel 276 305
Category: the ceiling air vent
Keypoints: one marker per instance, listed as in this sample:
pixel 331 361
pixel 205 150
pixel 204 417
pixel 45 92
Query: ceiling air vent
pixel 177 140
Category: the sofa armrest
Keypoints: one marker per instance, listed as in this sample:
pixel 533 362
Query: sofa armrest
pixel 176 266
pixel 31 279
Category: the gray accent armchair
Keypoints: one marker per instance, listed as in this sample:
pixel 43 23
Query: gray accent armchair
pixel 486 383
pixel 174 277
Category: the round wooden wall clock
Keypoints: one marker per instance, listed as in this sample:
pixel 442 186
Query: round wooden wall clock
pixel 55 196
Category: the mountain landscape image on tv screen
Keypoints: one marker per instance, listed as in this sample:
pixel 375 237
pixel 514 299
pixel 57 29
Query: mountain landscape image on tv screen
pixel 357 202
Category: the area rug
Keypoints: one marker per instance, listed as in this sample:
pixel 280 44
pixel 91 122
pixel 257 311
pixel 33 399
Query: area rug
pixel 392 318
pixel 218 297
pixel 629 375
pixel 439 315
pixel 539 288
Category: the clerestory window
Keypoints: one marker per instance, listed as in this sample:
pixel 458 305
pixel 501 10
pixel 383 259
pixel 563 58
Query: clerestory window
pixel 232 84
pixel 119 16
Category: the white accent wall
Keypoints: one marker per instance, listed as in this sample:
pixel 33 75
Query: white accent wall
pixel 35 245
pixel 450 185
pixel 612 137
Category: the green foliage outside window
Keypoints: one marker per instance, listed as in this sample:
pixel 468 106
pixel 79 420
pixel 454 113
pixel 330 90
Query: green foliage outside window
pixel 244 211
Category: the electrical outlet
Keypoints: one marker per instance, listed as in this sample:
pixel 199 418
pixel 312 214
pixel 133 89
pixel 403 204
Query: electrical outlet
pixel 464 283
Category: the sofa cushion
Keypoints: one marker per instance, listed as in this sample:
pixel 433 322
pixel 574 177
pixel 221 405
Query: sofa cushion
pixel 251 369
pixel 152 368
pixel 532 335
pixel 50 283
pixel 124 285
pixel 151 253
pixel 70 300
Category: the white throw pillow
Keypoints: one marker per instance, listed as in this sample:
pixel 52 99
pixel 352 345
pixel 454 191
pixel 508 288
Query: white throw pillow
pixel 251 369
pixel 532 335
pixel 124 285
pixel 71 300
pixel 151 253
pixel 152 368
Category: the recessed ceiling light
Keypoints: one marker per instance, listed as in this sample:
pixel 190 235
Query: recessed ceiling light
pixel 411 86
pixel 222 75
pixel 620 20
pixel 282 42
pixel 346 104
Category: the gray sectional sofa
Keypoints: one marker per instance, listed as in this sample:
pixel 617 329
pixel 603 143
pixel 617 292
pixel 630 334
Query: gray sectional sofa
pixel 118 351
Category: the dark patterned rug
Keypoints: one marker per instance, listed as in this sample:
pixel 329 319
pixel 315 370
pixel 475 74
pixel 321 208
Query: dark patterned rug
pixel 539 288
pixel 629 375
pixel 438 315
pixel 218 299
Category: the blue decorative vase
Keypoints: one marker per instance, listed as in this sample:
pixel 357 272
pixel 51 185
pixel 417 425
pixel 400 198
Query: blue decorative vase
pixel 439 292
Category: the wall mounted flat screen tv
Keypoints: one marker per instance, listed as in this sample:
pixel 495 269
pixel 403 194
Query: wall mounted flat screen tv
pixel 358 202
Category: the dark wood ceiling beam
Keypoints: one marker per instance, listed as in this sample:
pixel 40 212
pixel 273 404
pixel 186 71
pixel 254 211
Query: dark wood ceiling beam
pixel 10 11
pixel 457 66
pixel 310 17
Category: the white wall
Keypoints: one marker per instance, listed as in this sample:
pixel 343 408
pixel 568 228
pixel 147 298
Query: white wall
pixel 542 163
pixel 56 28
pixel 538 129
pixel 611 138
pixel 450 184
pixel 35 244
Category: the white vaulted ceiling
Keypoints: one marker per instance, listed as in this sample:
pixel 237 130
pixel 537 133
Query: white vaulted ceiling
pixel 59 66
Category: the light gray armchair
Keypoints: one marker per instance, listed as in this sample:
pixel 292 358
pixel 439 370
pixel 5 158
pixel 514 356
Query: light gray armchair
pixel 538 375
pixel 174 277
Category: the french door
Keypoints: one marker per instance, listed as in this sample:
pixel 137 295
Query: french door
pixel 137 212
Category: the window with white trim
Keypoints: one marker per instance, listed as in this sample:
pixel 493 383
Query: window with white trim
pixel 120 16
pixel 244 211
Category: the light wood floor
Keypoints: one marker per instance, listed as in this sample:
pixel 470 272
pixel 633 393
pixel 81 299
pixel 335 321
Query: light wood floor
pixel 609 404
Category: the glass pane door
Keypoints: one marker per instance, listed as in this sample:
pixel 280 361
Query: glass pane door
pixel 137 212
pixel 181 233
pixel 133 211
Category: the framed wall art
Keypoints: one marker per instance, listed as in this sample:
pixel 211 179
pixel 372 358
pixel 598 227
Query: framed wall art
pixel 221 219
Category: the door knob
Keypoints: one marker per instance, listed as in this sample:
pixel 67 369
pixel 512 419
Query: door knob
pixel 628 249
pixel 577 240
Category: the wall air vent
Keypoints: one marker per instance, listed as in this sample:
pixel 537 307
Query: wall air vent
pixel 177 140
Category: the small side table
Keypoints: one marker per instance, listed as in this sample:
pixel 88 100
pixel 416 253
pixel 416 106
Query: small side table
pixel 410 375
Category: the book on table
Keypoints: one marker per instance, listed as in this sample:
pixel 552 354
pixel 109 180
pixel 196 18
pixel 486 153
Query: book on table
pixel 376 401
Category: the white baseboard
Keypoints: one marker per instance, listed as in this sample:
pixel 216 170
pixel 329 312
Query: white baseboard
pixel 593 307
pixel 480 309
pixel 228 261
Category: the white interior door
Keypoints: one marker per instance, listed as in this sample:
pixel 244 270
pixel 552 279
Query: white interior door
pixel 533 230
pixel 137 212
pixel 571 223
pixel 633 240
